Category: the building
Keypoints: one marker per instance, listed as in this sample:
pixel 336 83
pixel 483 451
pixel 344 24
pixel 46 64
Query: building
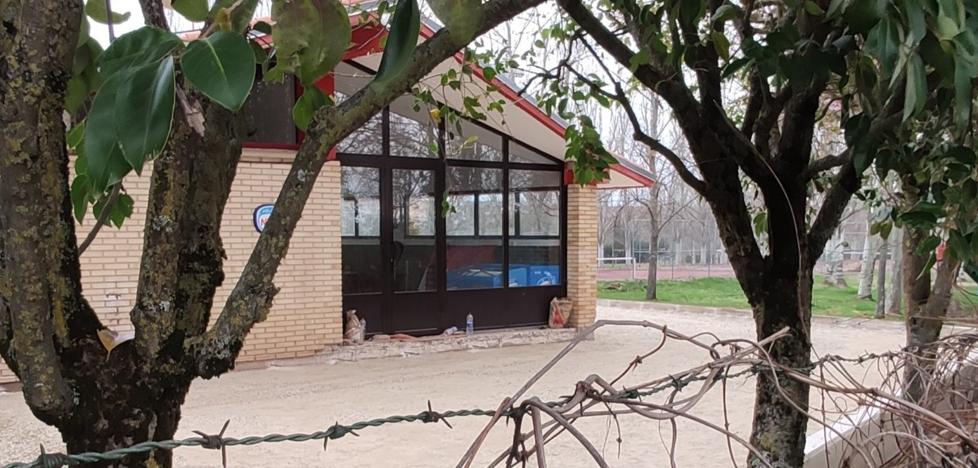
pixel 509 234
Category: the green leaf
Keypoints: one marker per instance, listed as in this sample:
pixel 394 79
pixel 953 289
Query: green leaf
pixel 193 10
pixel 862 15
pixel 813 9
pixel 105 164
pixel 144 111
pixel 861 159
pixel 222 67
pixel 461 18
pixel 916 89
pixel 914 12
pixel 96 10
pixel 311 37
pixel 76 94
pixel 119 211
pixel 962 96
pixel 402 40
pixel 835 6
pixel 139 47
pixel 721 44
pixel 74 136
pixel 884 42
pixel 947 28
pixel 928 244
pixel 725 12
pixel 80 196
pixel 306 106
pixel 643 57
pixel 233 15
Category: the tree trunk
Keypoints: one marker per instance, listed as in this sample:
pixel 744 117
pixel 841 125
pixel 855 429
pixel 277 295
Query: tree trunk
pixel 867 268
pixel 881 285
pixel 780 419
pixel 124 413
pixel 927 306
pixel 651 287
pixel 894 293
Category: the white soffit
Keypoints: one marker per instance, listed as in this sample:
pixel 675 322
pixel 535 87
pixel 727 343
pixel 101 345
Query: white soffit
pixel 513 121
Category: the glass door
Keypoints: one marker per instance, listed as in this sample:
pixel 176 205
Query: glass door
pixel 412 233
pixel 391 261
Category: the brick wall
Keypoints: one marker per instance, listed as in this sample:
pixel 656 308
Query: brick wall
pixel 306 315
pixel 582 253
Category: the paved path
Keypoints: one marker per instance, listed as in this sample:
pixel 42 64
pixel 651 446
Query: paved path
pixel 312 397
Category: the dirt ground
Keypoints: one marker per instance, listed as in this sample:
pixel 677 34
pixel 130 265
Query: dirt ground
pixel 312 397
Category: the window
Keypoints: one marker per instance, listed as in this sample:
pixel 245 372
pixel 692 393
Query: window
pixel 360 228
pixel 474 228
pixel 368 139
pixel 473 142
pixel 534 228
pixel 268 112
pixel 519 153
pixel 413 134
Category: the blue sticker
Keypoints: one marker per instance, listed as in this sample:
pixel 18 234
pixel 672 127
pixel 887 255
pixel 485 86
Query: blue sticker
pixel 261 215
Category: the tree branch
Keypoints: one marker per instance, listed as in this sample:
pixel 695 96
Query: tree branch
pixel 248 303
pixel 639 134
pixel 845 184
pixel 102 218
pixel 823 164
pixel 49 320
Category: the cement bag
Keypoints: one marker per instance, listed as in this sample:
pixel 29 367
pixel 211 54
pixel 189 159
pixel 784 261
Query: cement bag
pixel 354 329
pixel 560 312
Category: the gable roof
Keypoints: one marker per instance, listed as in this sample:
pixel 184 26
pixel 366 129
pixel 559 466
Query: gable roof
pixel 521 118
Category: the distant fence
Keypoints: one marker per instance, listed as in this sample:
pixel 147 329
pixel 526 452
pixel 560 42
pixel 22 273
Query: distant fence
pixel 672 265
pixel 693 264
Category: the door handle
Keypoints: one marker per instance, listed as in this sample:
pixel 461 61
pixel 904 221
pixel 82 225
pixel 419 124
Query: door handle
pixel 396 252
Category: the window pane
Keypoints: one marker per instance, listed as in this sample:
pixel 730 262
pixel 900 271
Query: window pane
pixel 268 112
pixel 473 142
pixel 414 252
pixel 413 133
pixel 534 262
pixel 534 227
pixel 535 213
pixel 475 247
pixel 521 154
pixel 491 214
pixel 368 139
pixel 461 219
pixel 521 179
pixel 360 227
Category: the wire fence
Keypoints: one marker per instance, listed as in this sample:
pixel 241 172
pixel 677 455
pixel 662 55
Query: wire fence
pixel 670 265
pixel 336 431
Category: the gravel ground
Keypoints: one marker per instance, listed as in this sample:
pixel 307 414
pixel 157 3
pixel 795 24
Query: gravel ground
pixel 312 397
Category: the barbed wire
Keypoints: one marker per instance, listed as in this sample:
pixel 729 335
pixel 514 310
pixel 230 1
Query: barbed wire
pixel 745 358
pixel 334 432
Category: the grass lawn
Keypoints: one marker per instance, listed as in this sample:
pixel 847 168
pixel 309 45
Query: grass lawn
pixel 725 292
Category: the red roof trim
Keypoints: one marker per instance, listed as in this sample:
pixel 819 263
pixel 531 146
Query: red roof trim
pixel 506 91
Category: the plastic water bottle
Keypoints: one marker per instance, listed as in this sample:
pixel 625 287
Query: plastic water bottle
pixel 469 325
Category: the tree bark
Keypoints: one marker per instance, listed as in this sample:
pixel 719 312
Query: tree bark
pixel 894 292
pixel 867 267
pixel 927 306
pixel 881 284
pixel 651 288
pixel 48 333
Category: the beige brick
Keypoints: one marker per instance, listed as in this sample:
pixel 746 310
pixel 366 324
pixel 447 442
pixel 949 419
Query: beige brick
pixel 302 322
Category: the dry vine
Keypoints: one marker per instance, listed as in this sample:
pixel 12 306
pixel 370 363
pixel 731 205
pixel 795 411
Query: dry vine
pixel 861 424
